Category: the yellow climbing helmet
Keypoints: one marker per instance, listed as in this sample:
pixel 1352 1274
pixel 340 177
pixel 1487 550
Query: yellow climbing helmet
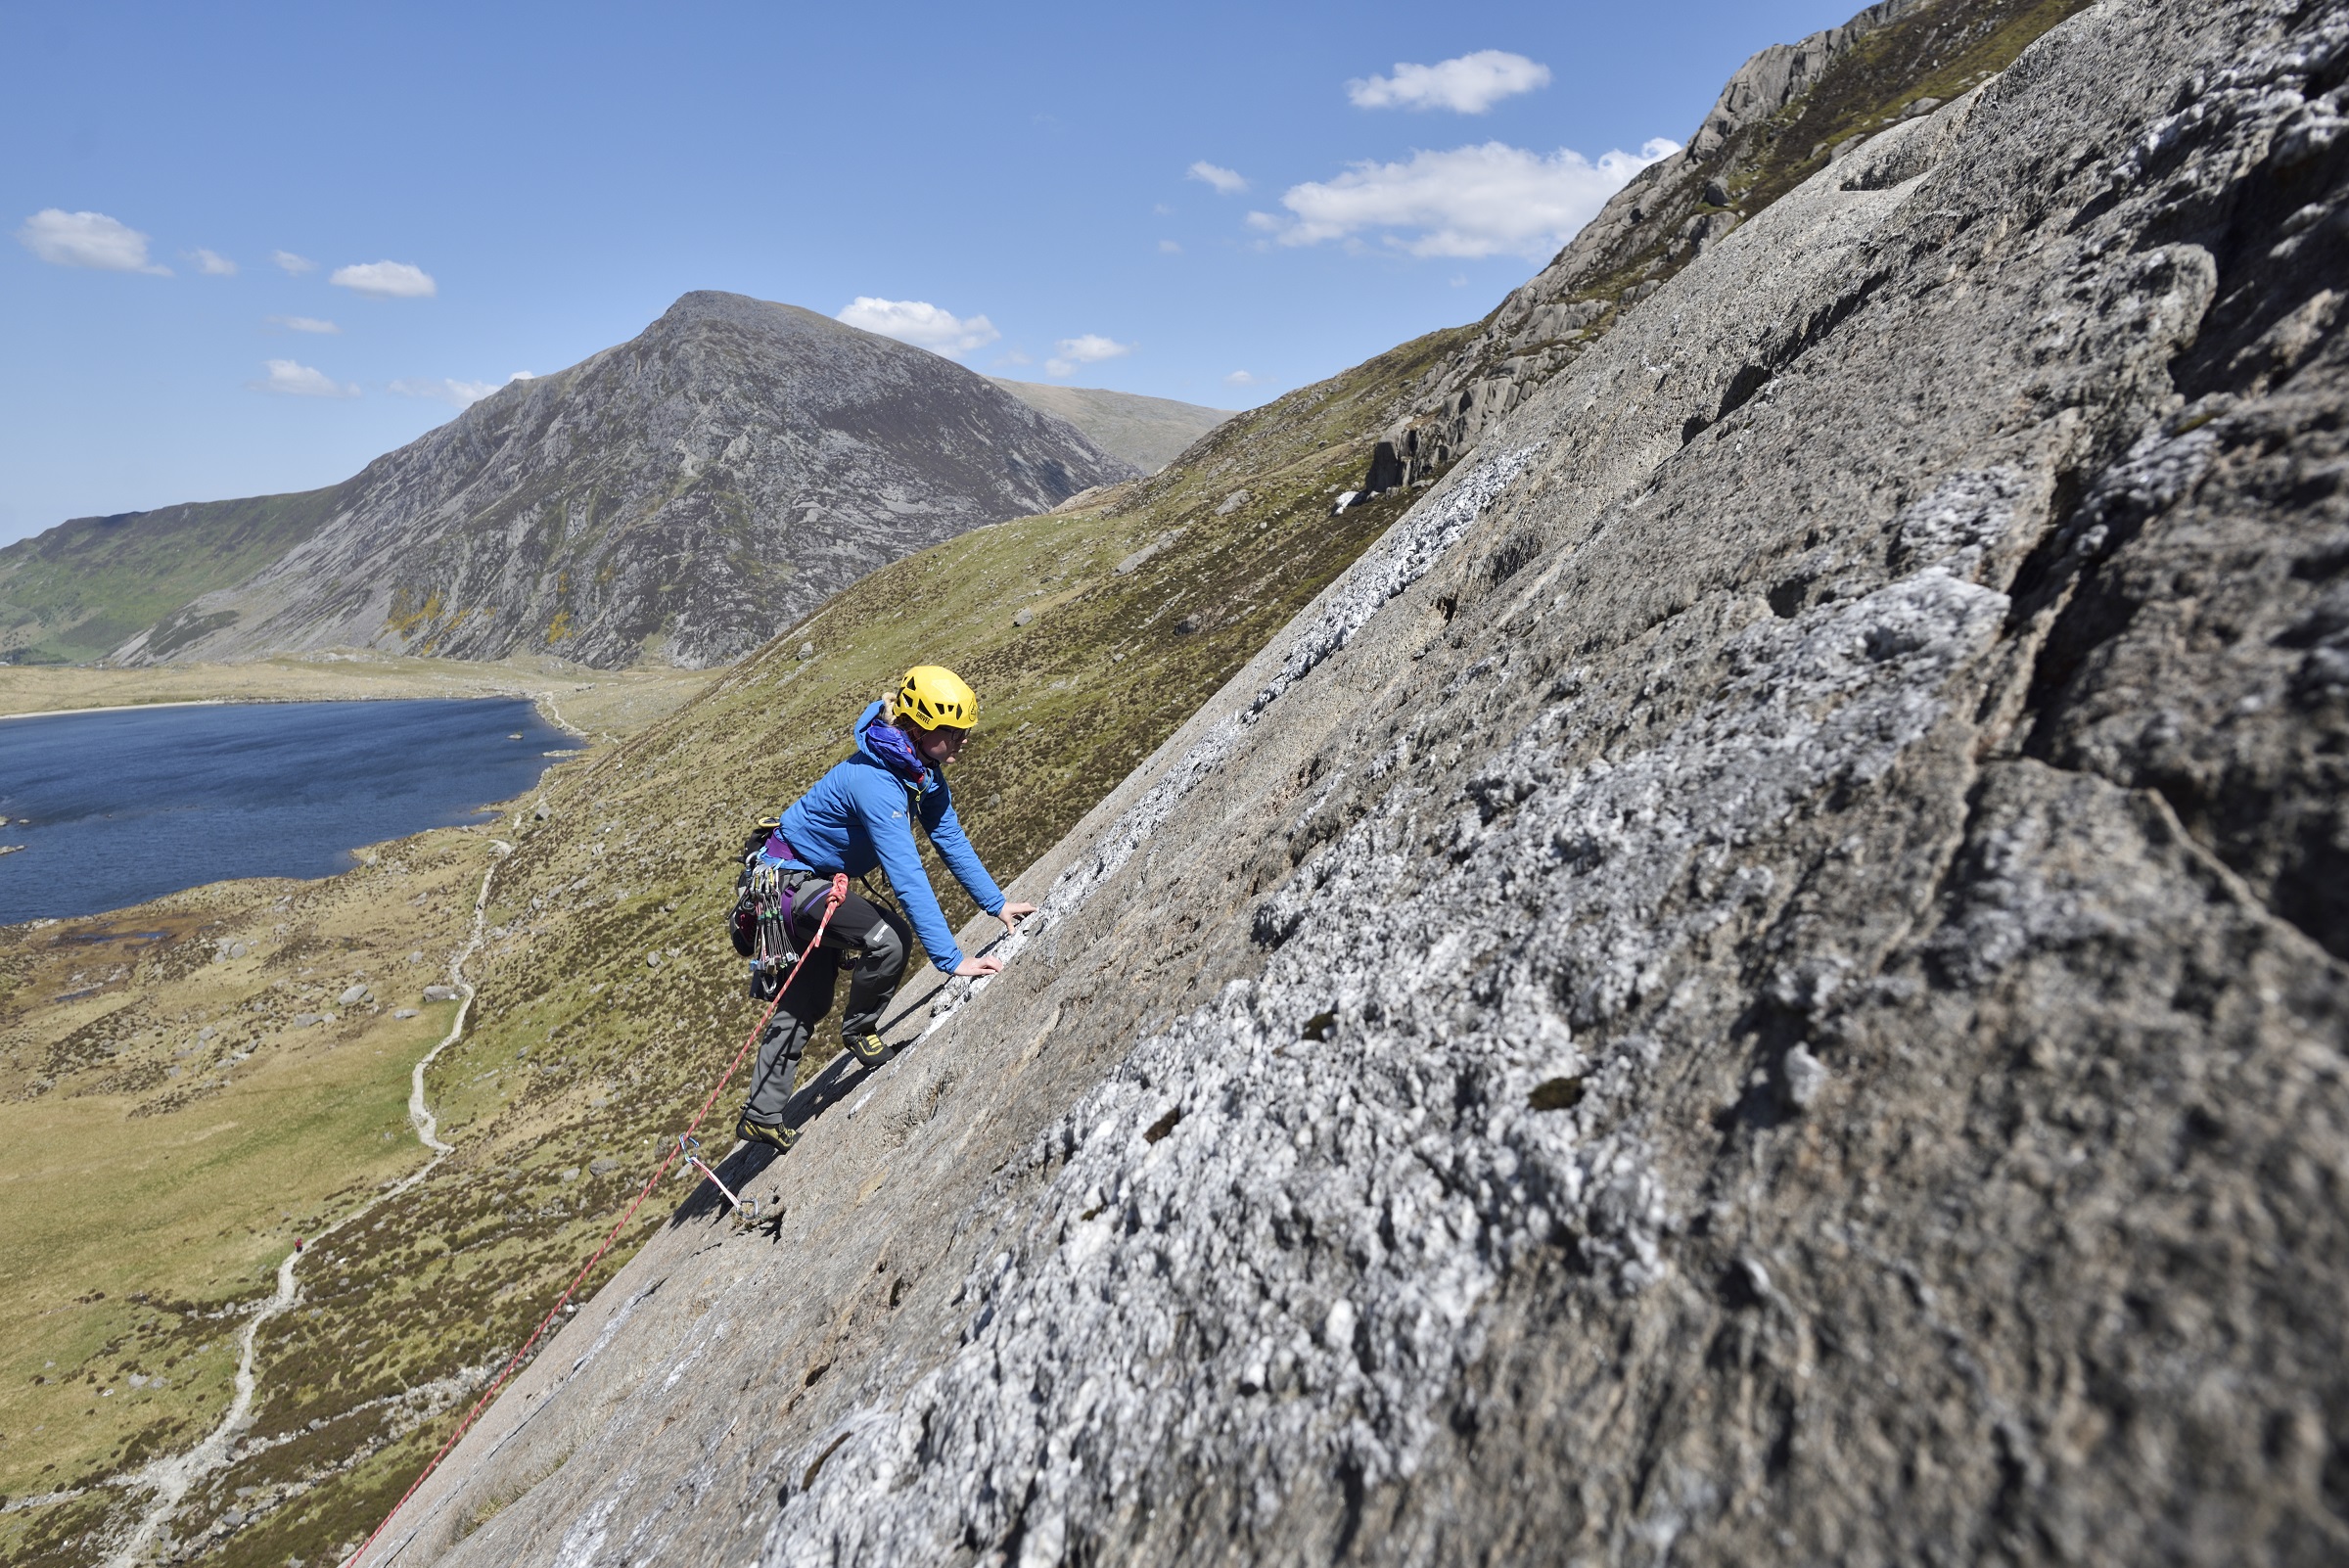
pixel 932 695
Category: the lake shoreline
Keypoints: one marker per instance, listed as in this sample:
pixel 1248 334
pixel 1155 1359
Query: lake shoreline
pixel 542 700
pixel 592 704
pixel 133 708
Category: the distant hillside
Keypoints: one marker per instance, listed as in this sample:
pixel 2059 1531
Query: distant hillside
pixel 83 587
pixel 675 499
pixel 1148 432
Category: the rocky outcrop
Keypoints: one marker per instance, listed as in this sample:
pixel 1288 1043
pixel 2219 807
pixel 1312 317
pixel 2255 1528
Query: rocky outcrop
pixel 1148 432
pixel 1778 75
pixel 678 498
pixel 1762 980
pixel 1788 111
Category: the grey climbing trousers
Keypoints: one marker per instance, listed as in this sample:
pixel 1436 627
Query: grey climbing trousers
pixel 882 940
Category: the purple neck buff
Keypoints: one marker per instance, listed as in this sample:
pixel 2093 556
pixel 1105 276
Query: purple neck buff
pixel 895 748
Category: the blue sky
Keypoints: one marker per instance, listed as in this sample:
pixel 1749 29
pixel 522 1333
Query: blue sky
pixel 1157 200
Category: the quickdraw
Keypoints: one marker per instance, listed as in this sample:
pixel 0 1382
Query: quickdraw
pixel 742 921
pixel 689 1148
pixel 770 897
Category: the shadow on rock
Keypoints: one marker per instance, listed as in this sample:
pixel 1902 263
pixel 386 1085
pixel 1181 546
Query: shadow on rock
pixel 749 1161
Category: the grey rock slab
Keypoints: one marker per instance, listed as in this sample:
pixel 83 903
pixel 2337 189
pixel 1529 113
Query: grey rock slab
pixel 1692 1006
pixel 1461 400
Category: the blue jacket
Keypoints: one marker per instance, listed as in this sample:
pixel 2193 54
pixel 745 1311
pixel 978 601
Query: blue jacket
pixel 856 817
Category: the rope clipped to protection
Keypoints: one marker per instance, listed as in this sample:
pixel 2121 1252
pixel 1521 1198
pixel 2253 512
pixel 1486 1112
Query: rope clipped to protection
pixel 686 1148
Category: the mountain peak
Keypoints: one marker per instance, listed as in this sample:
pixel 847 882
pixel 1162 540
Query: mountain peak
pixel 749 311
pixel 678 497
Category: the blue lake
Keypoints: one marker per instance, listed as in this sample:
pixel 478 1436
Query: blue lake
pixel 127 806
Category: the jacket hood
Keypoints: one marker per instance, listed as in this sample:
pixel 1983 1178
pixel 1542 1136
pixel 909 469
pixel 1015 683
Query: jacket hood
pixel 929 777
pixel 864 721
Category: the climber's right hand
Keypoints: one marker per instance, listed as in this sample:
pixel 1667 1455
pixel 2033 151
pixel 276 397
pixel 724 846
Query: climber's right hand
pixel 973 968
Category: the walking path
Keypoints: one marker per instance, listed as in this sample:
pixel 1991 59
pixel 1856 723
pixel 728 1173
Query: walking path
pixel 172 1476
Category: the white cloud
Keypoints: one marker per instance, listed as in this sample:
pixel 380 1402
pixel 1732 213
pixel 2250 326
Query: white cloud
pixel 297 265
pixel 1012 356
pixel 1091 346
pixel 1239 378
pixel 1087 348
pixel 301 380
pixel 305 324
pixel 87 239
pixel 211 263
pixel 1470 202
pixel 1169 248
pixel 1467 85
pixel 920 323
pixel 1227 182
pixel 443 389
pixel 451 390
pixel 386 280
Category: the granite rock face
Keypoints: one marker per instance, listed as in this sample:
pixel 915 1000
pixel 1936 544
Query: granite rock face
pixel 680 497
pixel 1762 980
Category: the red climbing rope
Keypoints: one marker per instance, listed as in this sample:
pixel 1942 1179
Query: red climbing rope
pixel 832 901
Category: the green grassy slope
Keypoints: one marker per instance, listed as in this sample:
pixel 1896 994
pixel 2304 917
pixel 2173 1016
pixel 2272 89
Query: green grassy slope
pixel 173 1116
pixel 81 588
pixel 1940 51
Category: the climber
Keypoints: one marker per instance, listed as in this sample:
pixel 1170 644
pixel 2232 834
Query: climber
pixel 859 815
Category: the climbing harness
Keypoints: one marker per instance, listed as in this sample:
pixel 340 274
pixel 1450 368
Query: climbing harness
pixel 685 1147
pixel 884 896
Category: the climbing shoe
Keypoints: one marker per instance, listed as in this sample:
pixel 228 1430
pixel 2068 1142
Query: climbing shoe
pixel 778 1138
pixel 867 1048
